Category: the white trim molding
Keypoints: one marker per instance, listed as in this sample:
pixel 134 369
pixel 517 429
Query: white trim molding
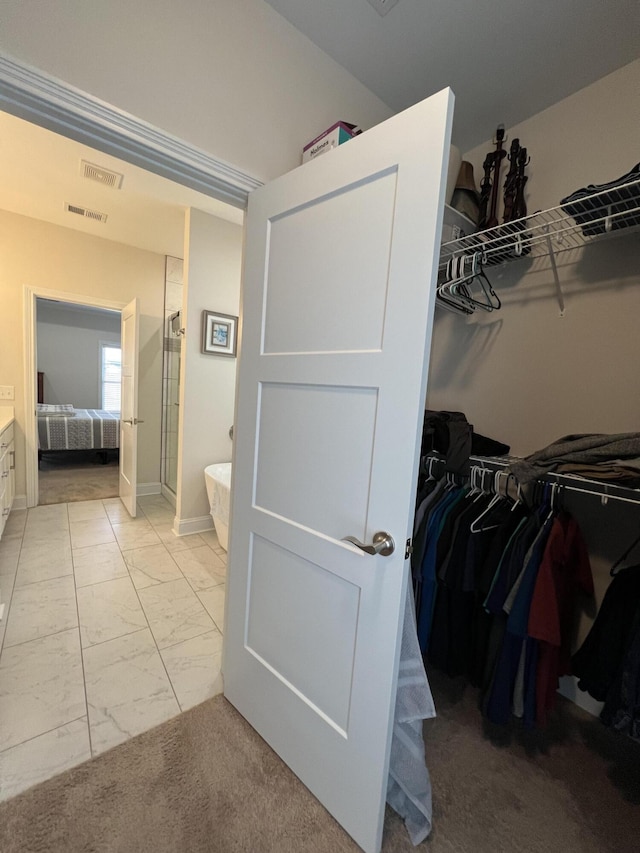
pixel 148 489
pixel 33 95
pixel 166 493
pixel 185 526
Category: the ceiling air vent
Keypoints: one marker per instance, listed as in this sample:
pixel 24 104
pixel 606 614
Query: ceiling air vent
pixel 101 175
pixel 83 211
pixel 382 6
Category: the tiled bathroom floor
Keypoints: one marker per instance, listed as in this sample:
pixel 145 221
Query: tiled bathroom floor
pixel 113 626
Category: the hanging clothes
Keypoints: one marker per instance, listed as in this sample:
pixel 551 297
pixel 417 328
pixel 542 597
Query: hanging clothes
pixel 564 572
pixel 499 694
pixel 608 662
pixel 435 524
pixel 496 587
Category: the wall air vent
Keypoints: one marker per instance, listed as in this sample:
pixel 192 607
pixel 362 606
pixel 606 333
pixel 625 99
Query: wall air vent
pixel 88 214
pixel 382 6
pixel 101 175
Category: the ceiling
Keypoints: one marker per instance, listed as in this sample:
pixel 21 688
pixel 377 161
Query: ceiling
pixel 40 172
pixel 504 59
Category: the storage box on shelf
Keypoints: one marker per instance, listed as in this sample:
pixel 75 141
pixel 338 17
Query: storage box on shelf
pixel 335 135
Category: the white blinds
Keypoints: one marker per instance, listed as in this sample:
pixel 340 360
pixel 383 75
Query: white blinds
pixel 111 370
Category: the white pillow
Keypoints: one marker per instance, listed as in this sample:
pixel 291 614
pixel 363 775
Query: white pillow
pixel 53 408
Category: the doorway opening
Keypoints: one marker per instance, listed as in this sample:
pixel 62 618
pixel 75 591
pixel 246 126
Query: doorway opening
pixel 91 586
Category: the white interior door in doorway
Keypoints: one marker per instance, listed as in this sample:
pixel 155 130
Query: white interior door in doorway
pixel 340 265
pixel 129 404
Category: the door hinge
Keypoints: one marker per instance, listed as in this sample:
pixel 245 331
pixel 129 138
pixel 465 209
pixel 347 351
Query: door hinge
pixel 408 549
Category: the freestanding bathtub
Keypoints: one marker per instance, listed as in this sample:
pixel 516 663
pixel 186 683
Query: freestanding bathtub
pixel 218 481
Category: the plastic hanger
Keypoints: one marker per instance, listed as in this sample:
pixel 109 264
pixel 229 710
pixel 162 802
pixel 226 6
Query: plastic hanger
pixel 462 290
pixel 518 499
pixel 460 270
pixel 476 486
pixel 475 526
pixel 461 273
pixel 460 306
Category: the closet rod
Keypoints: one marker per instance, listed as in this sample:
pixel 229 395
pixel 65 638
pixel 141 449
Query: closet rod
pixel 571 482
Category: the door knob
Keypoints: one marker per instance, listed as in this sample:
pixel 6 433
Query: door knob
pixel 132 421
pixel 382 544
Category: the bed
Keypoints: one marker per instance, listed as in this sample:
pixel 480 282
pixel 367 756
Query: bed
pixel 62 427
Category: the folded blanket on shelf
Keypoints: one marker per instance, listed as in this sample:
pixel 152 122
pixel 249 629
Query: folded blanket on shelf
pixel 581 449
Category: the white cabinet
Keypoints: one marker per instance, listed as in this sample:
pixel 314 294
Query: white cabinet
pixel 7 473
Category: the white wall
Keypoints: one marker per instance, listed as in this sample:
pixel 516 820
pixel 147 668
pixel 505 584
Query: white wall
pixel 68 341
pixel 49 257
pixel 229 76
pixel 523 374
pixel 212 270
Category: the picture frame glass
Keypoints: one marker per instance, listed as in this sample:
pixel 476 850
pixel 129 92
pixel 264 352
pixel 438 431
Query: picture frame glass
pixel 220 334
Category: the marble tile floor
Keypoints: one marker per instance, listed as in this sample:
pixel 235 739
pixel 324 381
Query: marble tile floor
pixel 112 626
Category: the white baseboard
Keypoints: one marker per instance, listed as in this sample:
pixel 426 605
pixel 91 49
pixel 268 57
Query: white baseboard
pixel 166 493
pixel 184 526
pixel 19 502
pixel 148 489
pixel 570 690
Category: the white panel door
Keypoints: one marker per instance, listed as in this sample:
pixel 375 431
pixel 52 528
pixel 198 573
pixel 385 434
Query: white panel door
pixel 340 266
pixel 129 405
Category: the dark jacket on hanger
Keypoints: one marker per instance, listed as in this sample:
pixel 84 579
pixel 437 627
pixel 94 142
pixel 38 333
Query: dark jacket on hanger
pixel 598 661
pixel 622 708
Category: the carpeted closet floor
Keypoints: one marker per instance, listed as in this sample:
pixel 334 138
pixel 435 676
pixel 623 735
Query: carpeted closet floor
pixel 205 781
pixel 77 475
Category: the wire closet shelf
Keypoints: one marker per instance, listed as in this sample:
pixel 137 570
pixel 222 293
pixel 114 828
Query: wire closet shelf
pixel 568 226
pixel 603 489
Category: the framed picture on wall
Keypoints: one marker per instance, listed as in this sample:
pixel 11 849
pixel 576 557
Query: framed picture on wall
pixel 219 333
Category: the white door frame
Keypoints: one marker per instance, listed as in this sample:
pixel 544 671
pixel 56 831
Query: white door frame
pixel 130 351
pixel 30 367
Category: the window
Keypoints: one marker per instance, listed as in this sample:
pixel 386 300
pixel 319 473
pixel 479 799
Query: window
pixel 110 372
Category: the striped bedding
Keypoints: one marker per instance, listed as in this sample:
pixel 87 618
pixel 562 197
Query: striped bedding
pixel 85 429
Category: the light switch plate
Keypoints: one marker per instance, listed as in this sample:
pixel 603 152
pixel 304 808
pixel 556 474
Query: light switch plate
pixel 7 392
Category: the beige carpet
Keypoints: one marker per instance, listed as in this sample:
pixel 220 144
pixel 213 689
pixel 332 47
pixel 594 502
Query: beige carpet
pixel 205 781
pixel 76 476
